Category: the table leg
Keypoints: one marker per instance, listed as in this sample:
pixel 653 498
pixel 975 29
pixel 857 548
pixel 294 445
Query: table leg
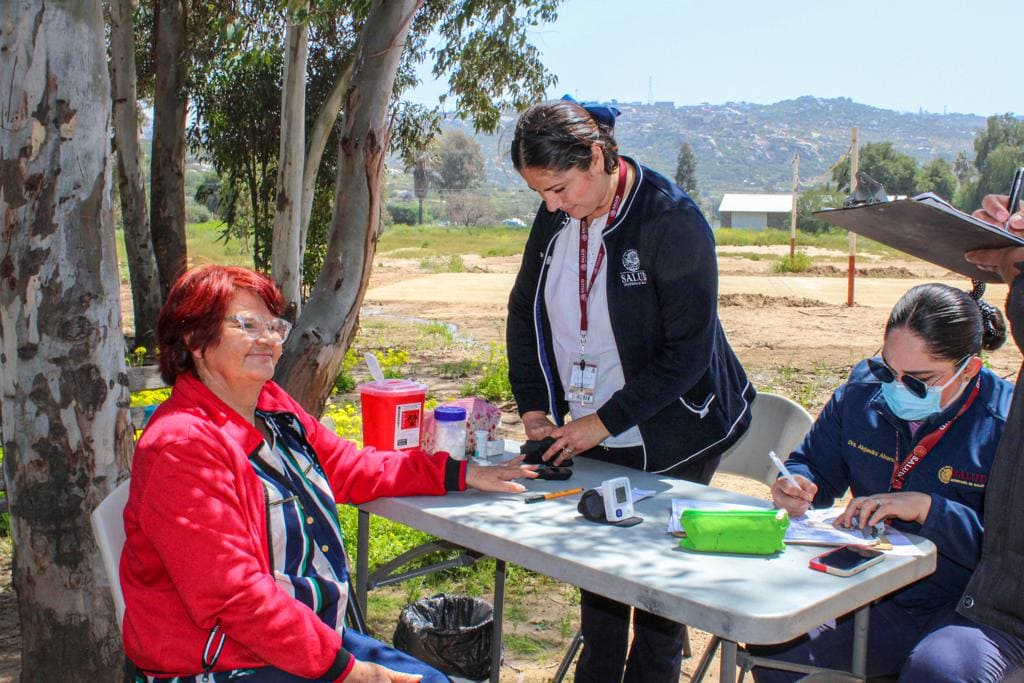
pixel 727 666
pixel 860 641
pixel 499 611
pixel 362 557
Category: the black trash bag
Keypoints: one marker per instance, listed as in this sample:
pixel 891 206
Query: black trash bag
pixel 452 633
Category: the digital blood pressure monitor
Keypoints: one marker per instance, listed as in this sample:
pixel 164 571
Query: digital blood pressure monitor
pixel 618 499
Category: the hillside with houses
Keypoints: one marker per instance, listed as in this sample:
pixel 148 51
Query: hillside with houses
pixel 743 147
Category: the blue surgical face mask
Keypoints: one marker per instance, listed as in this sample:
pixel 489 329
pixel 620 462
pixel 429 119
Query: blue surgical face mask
pixel 906 406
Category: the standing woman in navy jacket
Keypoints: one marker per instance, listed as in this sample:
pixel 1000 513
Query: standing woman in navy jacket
pixel 614 320
pixel 912 434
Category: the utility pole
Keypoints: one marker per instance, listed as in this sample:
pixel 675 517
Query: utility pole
pixel 852 265
pixel 792 222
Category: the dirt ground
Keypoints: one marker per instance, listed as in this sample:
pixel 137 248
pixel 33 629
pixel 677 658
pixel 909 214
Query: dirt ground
pixel 793 333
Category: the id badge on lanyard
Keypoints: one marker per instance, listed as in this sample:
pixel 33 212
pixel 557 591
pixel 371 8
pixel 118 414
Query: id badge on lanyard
pixel 583 377
pixel 582 382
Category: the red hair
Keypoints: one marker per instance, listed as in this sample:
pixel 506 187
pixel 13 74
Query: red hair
pixel 193 314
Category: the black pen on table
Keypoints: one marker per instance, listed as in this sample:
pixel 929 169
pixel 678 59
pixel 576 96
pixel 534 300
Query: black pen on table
pixel 1013 204
pixel 556 494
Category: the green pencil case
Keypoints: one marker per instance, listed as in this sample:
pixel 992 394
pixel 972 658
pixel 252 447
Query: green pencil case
pixel 751 532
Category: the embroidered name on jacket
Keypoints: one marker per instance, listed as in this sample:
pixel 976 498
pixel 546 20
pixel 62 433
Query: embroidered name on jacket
pixel 632 275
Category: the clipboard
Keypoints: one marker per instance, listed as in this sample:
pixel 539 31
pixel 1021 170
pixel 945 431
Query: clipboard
pixel 928 227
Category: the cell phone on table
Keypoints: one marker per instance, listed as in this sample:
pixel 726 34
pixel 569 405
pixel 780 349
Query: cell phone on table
pixel 846 560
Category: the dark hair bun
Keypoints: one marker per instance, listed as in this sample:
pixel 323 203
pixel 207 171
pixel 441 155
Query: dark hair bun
pixel 993 323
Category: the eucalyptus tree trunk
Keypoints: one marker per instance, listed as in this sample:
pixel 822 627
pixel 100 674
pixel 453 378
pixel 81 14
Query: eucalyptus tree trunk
pixel 286 246
pixel 316 141
pixel 328 323
pixel 62 371
pixel 167 163
pixel 138 242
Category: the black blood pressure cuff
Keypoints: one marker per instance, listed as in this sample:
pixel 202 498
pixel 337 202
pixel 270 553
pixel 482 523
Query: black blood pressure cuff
pixel 591 506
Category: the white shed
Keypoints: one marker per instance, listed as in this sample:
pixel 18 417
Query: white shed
pixel 755 211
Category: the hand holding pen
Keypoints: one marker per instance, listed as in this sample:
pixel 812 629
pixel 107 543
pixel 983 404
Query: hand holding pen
pixel 1004 210
pixel 793 494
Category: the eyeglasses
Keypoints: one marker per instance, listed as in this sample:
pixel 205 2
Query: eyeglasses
pixel 917 387
pixel 254 327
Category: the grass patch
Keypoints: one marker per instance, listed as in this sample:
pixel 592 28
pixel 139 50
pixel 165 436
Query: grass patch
pixel 205 245
pixel 458 369
pixel 443 264
pixel 426 241
pixel 439 331
pixel 833 239
pixel 797 263
pixel 520 644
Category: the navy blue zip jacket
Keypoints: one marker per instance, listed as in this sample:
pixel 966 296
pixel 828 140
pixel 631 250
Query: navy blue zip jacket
pixel 853 444
pixel 684 387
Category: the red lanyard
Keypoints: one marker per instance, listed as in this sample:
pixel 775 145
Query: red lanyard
pixel 900 470
pixel 585 288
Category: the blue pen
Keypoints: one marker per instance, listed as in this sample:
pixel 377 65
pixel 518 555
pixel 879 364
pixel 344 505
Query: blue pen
pixel 1015 191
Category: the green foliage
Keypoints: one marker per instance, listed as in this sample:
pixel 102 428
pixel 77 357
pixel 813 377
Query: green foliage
pixel 1006 130
pixel 816 199
pixel 937 176
pixel 490 62
pixel 237 127
pixel 494 384
pixel 137 357
pixel 443 264
pixel 686 170
pixel 343 381
pixel 403 215
pixel 797 263
pixel 895 170
pixel 460 164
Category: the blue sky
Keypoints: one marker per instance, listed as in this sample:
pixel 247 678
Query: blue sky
pixel 906 55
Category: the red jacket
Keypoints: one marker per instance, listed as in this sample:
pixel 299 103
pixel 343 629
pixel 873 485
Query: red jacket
pixel 196 553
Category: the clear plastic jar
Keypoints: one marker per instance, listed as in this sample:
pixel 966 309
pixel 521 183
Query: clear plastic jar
pixel 450 431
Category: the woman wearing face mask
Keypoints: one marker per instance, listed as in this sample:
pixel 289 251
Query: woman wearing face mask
pixel 912 434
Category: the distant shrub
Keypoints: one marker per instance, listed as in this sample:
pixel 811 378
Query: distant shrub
pixel 798 263
pixel 403 214
pixel 196 213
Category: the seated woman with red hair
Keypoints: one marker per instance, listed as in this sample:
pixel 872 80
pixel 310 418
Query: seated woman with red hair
pixel 234 565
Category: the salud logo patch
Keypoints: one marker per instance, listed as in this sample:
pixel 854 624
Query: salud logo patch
pixel 633 275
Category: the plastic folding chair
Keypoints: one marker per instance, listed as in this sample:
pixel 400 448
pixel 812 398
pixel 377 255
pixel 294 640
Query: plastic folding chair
pixel 777 424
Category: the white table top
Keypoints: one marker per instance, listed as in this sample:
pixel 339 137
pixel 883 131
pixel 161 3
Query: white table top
pixel 744 598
